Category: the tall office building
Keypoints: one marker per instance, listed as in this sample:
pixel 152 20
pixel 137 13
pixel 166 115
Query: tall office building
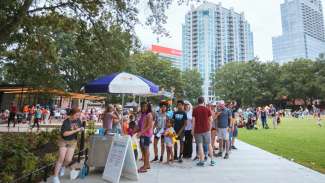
pixel 212 37
pixel 169 54
pixel 302 31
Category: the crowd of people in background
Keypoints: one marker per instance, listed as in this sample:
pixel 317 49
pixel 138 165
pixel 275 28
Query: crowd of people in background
pixel 34 115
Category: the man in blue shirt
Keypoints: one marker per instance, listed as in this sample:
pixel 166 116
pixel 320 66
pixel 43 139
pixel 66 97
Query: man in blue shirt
pixel 224 117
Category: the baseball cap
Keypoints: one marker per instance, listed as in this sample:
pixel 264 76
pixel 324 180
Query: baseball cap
pixel 186 102
pixel 221 102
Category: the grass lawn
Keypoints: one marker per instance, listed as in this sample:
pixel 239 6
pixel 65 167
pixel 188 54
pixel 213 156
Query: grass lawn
pixel 300 140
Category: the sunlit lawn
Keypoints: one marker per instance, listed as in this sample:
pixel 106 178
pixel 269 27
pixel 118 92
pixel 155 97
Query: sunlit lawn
pixel 300 140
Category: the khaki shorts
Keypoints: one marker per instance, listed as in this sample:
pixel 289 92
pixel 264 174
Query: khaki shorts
pixel 223 134
pixel 67 143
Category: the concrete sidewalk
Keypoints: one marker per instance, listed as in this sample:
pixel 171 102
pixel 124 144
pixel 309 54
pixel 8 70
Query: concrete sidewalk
pixel 246 165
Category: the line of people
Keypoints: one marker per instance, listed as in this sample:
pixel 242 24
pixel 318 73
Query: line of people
pixel 211 126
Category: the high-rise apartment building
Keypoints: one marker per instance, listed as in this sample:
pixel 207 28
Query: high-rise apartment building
pixel 212 37
pixel 302 31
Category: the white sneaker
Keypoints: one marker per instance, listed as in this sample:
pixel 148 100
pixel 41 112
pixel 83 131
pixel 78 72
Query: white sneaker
pixel 61 173
pixel 74 174
pixel 56 179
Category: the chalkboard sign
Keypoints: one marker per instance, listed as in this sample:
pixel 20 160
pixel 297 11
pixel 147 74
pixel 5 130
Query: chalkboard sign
pixel 120 161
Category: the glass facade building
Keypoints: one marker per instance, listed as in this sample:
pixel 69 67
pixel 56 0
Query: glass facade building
pixel 213 36
pixel 302 31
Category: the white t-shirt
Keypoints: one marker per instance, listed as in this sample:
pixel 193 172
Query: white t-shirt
pixel 189 121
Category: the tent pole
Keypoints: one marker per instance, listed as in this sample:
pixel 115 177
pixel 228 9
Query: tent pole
pixel 123 100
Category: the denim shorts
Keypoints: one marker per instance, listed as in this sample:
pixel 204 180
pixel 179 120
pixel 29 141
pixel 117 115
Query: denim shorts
pixel 203 138
pixel 145 141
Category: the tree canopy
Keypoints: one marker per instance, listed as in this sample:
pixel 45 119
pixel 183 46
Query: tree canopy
pixel 255 83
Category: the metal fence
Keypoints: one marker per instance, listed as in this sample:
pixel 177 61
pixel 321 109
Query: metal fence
pixel 45 171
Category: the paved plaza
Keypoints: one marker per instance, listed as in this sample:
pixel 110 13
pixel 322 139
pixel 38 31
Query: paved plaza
pixel 248 164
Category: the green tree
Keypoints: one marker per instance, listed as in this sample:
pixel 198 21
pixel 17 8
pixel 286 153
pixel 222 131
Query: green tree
pixel 249 83
pixel 59 52
pixel 161 72
pixel 192 85
pixel 319 72
pixel 13 13
pixel 299 80
pixel 85 57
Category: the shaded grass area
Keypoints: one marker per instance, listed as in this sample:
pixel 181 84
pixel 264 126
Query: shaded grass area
pixel 299 140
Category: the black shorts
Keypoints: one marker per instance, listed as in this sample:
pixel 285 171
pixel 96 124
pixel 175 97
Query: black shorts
pixel 180 136
pixel 145 141
pixel 161 137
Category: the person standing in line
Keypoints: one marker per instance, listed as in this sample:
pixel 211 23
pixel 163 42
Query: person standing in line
pixel 159 129
pixel 273 116
pixel 233 132
pixel 67 143
pixel 12 114
pixel 188 144
pixel 170 139
pixel 117 123
pixel 146 124
pixel 214 126
pixel 108 119
pixel 224 124
pixel 179 119
pixel 201 123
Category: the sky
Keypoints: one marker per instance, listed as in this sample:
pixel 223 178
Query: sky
pixel 264 17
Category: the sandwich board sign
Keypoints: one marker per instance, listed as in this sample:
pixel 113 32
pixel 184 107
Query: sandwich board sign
pixel 120 161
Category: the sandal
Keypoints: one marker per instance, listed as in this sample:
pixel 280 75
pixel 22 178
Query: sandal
pixel 142 170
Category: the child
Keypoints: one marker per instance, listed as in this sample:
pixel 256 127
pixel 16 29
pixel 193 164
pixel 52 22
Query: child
pixel 131 132
pixel 170 139
pixel 125 125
